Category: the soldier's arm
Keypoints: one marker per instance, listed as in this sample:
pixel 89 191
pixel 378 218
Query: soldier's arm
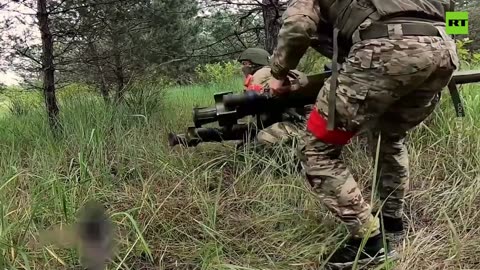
pixel 299 26
pixel 262 77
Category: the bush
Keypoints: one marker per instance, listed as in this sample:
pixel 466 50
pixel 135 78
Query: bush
pixel 467 58
pixel 312 62
pixel 145 98
pixel 74 90
pixel 21 101
pixel 218 72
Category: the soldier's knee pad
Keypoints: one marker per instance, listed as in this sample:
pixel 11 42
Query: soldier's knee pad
pixel 266 139
pixel 317 125
pixel 276 133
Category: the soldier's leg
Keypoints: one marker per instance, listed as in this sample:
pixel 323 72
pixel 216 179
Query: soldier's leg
pixel 392 179
pixel 279 132
pixel 287 134
pixel 393 174
pixel 357 102
pixel 325 170
pixel 330 178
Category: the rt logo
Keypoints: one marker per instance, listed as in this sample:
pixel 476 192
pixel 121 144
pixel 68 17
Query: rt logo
pixel 457 23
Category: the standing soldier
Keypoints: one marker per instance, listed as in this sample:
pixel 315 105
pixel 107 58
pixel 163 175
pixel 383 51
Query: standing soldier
pixel 396 57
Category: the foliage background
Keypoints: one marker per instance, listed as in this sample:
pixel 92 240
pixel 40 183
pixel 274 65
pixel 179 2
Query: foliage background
pixel 209 207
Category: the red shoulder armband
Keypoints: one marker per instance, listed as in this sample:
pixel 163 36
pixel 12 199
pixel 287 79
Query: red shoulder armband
pixel 255 87
pixel 252 87
pixel 247 81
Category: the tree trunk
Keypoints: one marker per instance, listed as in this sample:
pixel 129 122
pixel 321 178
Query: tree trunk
pixel 48 68
pixel 120 77
pixel 271 15
pixel 103 85
pixel 101 74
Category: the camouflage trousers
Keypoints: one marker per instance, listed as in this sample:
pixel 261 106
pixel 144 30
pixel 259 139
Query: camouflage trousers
pixel 391 85
pixel 280 132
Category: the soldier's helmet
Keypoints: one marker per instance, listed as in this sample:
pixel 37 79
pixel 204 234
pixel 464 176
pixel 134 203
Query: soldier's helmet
pixel 257 56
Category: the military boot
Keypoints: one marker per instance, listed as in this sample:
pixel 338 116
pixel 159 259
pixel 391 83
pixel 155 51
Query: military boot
pixel 394 229
pixel 374 252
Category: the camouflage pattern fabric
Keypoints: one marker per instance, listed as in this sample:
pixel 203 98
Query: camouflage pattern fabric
pixel 282 131
pixel 310 23
pixel 393 85
pixel 263 77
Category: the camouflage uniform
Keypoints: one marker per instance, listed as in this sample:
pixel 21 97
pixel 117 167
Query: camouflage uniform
pixel 257 78
pixel 283 131
pixel 391 83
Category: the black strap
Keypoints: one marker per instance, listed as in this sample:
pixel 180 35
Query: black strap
pixel 380 30
pixel 333 83
pixel 457 101
pixel 452 86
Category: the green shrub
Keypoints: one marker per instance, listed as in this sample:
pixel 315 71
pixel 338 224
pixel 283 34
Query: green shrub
pixel 218 72
pixel 74 90
pixel 468 59
pixel 163 82
pixel 312 62
pixel 22 101
pixel 145 99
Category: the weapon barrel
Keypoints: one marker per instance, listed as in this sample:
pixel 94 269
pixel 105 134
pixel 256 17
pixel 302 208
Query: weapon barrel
pixel 235 100
pixel 230 107
pixel 464 77
pixel 236 106
pixel 204 116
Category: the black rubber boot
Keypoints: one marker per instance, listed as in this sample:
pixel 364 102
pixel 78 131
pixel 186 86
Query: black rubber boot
pixel 374 252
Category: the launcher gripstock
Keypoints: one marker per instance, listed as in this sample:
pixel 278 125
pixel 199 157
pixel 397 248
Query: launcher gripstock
pixel 230 107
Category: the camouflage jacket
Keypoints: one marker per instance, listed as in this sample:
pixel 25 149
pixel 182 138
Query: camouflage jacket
pixel 310 23
pixel 262 77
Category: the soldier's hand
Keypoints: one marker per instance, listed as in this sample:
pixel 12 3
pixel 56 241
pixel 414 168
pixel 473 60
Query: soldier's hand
pixel 277 88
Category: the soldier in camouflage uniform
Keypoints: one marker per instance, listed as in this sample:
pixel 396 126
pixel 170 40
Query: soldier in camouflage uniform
pixel 396 58
pixel 257 73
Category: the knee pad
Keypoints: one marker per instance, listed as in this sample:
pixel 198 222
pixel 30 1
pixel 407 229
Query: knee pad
pixel 266 138
pixel 317 125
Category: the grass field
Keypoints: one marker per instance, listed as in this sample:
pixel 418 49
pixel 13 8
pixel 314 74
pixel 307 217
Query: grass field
pixel 213 207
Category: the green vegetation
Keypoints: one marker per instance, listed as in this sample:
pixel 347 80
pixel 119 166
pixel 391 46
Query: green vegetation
pixel 212 207
pixel 124 73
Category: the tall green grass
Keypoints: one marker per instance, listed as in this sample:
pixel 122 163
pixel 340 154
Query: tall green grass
pixel 215 207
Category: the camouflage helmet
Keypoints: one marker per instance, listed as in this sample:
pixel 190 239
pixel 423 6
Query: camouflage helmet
pixel 255 55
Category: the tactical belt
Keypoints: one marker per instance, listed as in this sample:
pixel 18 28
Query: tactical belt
pixel 389 30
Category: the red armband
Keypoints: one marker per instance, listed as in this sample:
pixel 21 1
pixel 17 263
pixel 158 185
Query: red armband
pixel 252 87
pixel 317 125
pixel 247 81
pixel 255 87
